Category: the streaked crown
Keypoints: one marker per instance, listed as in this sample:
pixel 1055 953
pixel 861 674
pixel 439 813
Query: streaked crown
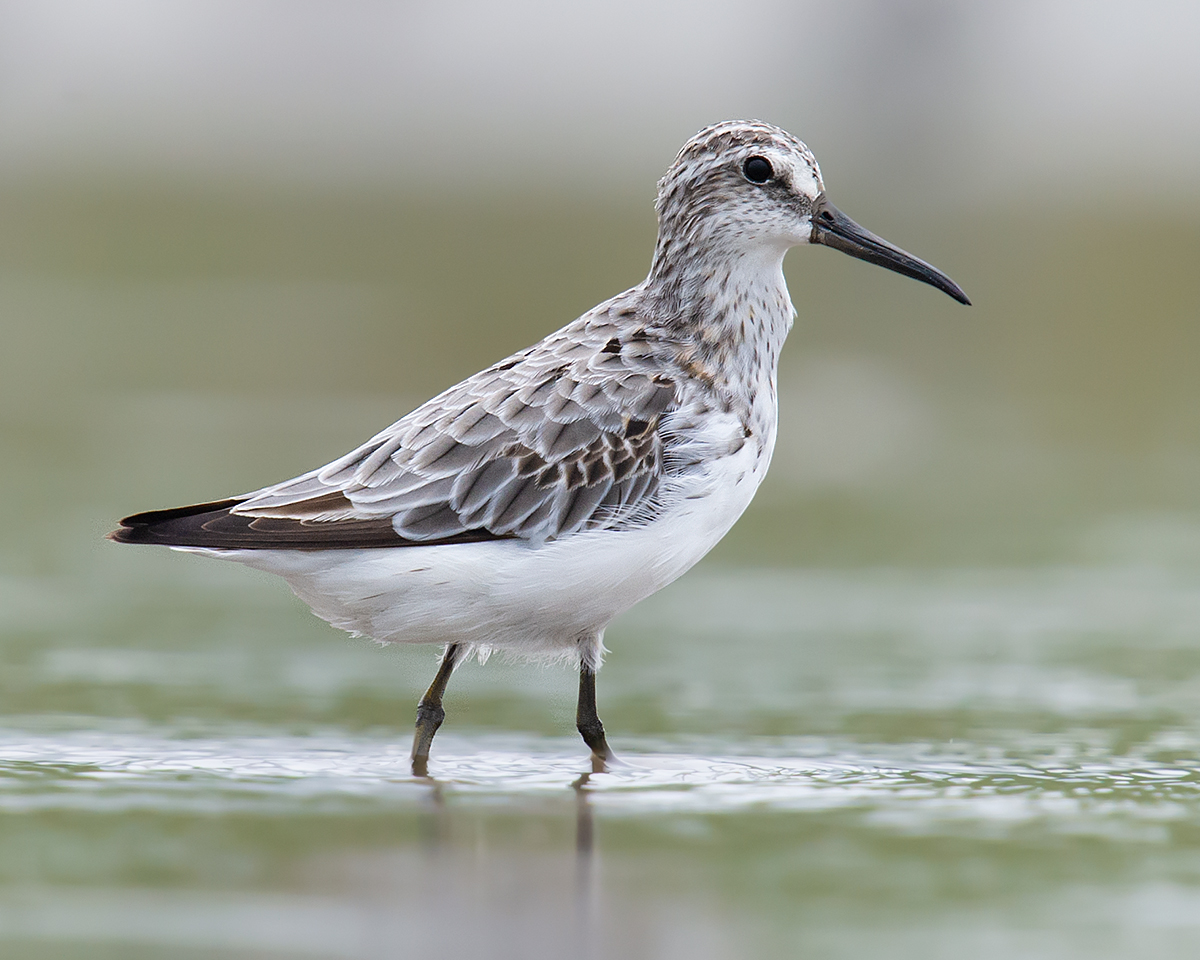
pixel 709 189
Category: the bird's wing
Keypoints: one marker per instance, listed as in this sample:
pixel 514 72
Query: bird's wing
pixel 558 438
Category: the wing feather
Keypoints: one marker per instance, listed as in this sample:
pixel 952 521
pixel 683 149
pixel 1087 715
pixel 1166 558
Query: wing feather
pixel 556 439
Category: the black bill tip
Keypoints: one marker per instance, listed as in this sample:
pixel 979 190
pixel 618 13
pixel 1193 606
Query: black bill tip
pixel 832 228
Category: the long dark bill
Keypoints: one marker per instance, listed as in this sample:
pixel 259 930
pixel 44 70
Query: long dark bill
pixel 834 229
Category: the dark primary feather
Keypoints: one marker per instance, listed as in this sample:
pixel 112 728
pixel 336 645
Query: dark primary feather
pixel 212 525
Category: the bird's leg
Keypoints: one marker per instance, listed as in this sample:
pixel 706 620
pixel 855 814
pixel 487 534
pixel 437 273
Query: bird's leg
pixel 586 719
pixel 430 713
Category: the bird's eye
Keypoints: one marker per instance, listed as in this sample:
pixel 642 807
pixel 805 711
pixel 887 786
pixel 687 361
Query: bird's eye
pixel 758 170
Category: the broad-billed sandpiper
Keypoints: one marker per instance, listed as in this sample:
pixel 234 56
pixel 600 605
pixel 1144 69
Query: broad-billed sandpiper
pixel 524 508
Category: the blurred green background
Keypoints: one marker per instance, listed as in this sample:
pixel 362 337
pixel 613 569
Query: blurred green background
pixel 935 695
pixel 173 344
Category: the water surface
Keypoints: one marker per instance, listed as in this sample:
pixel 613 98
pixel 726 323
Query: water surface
pixel 852 763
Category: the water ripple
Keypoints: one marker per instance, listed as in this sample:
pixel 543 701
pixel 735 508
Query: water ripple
pixel 909 788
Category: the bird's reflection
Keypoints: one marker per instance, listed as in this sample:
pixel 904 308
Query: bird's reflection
pixel 437 840
pixel 435 825
pixel 585 826
pixel 587 865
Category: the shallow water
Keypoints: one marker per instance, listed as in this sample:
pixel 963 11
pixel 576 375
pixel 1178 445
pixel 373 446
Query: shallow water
pixel 323 845
pixel 120 768
pixel 855 763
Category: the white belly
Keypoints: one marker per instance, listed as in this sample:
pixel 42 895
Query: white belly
pixel 536 601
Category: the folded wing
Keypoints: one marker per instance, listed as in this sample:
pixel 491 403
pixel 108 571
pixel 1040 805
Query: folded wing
pixel 557 439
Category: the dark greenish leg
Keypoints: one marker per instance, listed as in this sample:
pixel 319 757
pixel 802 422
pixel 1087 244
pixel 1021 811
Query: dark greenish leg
pixel 587 721
pixel 430 713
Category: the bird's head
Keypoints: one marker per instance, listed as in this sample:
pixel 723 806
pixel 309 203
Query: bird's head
pixel 744 186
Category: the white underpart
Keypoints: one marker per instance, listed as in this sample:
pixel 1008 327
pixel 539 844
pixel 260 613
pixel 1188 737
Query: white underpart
pixel 546 601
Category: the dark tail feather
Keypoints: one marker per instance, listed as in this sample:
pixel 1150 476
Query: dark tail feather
pixel 212 525
pixel 178 527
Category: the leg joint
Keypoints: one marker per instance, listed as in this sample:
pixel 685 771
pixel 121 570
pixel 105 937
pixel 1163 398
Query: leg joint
pixel 592 731
pixel 430 714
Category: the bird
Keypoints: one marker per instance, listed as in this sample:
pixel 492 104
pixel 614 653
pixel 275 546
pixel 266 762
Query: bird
pixel 524 508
